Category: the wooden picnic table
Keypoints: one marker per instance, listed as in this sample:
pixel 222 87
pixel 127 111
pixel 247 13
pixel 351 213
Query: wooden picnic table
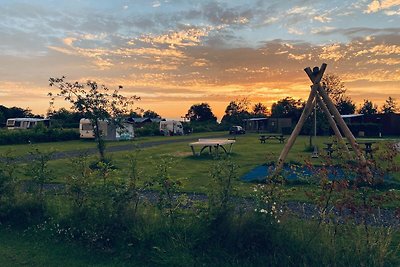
pixel 329 148
pixel 213 144
pixel 368 148
pixel 265 137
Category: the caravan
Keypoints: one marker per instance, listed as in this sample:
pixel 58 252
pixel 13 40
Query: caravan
pixel 107 130
pixel 171 127
pixel 25 123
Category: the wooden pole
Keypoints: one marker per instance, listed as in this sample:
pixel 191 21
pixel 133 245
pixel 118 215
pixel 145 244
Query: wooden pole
pixel 306 112
pixel 346 131
pixel 331 121
pixel 328 116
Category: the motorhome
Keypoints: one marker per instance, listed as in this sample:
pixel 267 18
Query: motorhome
pixel 107 130
pixel 25 123
pixel 171 127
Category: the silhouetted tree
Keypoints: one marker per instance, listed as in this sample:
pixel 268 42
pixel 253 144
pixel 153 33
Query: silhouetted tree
pixel 259 109
pixel 14 112
pixel 200 113
pixel 151 114
pixel 65 118
pixel 334 87
pixel 368 108
pixel 390 106
pixel 346 106
pixel 236 112
pixel 287 108
pixel 94 102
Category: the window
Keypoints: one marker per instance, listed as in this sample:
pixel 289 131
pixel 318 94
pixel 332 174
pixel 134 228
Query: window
pixel 87 127
pixel 10 122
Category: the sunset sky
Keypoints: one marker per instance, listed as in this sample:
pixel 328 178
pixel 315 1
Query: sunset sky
pixel 175 53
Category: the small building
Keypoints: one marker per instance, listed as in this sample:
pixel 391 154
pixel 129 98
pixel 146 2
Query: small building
pixel 373 124
pixel 268 124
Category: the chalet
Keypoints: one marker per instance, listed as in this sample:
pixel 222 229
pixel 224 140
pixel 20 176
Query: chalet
pixel 268 124
pixel 373 124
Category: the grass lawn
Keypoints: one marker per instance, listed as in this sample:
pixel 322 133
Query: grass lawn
pixel 29 248
pixel 23 149
pixel 192 171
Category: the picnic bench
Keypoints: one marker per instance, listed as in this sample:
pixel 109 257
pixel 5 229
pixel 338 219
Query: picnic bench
pixel 367 148
pixel 213 144
pixel 265 137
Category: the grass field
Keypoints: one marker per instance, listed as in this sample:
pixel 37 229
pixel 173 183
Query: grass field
pixel 27 248
pixel 192 171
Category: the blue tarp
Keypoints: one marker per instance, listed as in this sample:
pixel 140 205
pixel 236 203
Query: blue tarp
pixel 292 172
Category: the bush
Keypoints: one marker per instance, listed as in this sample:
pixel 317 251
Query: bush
pixel 37 135
pixel 150 129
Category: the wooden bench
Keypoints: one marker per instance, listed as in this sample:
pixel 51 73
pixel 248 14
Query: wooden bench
pixel 265 137
pixel 212 144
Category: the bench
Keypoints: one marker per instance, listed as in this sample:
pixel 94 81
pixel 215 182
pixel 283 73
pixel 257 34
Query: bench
pixel 213 144
pixel 264 138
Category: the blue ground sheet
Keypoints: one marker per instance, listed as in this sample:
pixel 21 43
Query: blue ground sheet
pixel 292 172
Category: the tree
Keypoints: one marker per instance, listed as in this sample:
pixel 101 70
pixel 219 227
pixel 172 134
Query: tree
pixel 346 106
pixel 334 87
pixel 236 111
pixel 65 118
pixel 14 112
pixel 368 108
pixel 390 106
pixel 259 109
pixel 94 102
pixel 287 108
pixel 201 113
pixel 151 114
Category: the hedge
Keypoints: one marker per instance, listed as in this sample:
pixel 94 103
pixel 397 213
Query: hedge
pixel 9 137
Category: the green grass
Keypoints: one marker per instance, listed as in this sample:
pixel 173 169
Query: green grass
pixel 193 171
pixel 22 149
pixel 36 249
pixel 29 248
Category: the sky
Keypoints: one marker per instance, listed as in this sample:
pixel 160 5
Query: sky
pixel 176 53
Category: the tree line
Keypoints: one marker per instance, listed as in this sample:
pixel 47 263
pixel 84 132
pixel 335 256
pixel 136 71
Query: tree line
pixel 235 112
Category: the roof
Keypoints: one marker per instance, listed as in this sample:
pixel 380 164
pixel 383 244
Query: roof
pixel 139 120
pixel 27 119
pixel 256 119
pixel 351 115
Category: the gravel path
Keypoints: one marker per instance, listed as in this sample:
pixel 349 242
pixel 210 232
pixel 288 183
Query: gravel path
pixel 307 211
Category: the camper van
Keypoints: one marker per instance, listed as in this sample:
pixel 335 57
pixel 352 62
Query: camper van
pixel 25 123
pixel 171 127
pixel 107 130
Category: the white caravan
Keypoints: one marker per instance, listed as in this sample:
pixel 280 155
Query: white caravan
pixel 108 131
pixel 171 127
pixel 25 123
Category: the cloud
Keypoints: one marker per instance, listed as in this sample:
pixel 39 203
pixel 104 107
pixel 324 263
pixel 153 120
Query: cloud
pixel 378 5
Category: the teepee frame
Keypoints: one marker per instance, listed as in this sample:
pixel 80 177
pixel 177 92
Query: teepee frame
pixel 319 94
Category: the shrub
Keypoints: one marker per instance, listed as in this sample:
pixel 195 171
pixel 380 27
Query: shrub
pixel 37 135
pixel 149 129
